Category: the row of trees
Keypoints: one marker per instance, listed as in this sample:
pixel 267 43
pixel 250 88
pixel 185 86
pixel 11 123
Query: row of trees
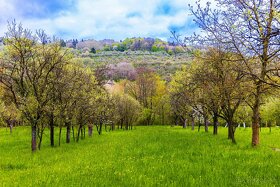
pixel 42 85
pixel 214 86
pixel 245 33
pixel 145 44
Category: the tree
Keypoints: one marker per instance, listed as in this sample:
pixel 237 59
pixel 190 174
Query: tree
pixel 92 50
pixel 27 69
pixel 9 113
pixel 62 43
pixel 146 89
pixel 224 87
pixel 271 111
pixel 181 95
pixel 128 109
pixel 251 30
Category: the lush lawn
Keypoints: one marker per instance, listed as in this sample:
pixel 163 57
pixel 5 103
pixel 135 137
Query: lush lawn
pixel 146 156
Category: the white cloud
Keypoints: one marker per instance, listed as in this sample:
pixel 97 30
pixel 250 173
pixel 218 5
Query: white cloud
pixel 103 19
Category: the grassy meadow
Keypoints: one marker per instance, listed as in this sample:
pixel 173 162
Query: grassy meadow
pixel 145 156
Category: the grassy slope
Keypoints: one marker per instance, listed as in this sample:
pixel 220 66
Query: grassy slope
pixel 147 156
pixel 163 64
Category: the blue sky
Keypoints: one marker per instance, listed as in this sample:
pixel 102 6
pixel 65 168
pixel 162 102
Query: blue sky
pixel 99 19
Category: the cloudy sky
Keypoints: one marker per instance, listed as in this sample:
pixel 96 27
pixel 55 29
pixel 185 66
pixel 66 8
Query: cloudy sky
pixel 99 19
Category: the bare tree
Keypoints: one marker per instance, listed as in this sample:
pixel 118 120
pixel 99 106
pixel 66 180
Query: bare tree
pixel 250 29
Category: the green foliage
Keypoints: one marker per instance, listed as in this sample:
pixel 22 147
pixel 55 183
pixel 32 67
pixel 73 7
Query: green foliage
pixel 145 114
pixel 271 112
pixel 126 110
pixel 121 47
pixel 62 43
pixel 92 50
pixel 107 48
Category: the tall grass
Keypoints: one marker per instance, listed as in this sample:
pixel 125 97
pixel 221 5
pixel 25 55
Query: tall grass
pixel 145 156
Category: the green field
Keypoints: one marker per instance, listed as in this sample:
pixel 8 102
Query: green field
pixel 145 156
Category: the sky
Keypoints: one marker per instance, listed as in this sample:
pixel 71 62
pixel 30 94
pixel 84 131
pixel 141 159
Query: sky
pixel 100 19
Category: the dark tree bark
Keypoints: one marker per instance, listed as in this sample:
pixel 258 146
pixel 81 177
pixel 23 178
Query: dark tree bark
pixel 10 123
pixel 185 124
pixel 113 127
pixel 231 131
pixel 52 130
pixel 99 128
pixel 68 132
pixel 90 130
pixel 79 132
pixel 82 133
pixel 256 119
pixel 215 124
pixel 78 135
pixel 52 135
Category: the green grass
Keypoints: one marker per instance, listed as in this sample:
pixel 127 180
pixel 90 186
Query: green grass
pixel 146 156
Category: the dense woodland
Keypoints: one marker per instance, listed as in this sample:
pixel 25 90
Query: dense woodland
pixel 228 76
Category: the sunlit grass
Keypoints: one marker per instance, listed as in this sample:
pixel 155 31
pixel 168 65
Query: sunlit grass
pixel 145 156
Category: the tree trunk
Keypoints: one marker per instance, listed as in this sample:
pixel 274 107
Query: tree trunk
pixel 34 137
pixel 90 130
pixel 215 124
pixel 192 123
pixel 256 119
pixel 231 131
pixel 82 133
pixel 11 127
pixel 185 123
pixel 99 128
pixel 68 132
pixel 78 135
pixel 126 125
pixel 113 126
pixel 52 131
pixel 206 123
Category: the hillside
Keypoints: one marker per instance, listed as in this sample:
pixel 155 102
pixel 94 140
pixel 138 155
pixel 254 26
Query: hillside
pixel 161 62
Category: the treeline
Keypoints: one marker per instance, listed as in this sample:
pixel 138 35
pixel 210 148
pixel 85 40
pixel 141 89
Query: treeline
pixel 145 44
pixel 129 44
